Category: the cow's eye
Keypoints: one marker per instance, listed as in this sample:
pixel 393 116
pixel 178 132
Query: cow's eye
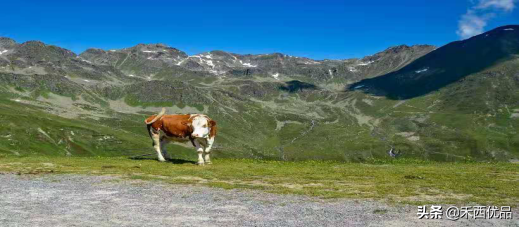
pixel 205 126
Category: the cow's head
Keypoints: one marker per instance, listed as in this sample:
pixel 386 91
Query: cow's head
pixel 201 126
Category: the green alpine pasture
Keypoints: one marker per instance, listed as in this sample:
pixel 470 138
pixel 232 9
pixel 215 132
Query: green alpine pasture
pixel 400 181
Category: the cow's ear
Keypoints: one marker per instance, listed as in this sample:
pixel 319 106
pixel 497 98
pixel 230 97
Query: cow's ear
pixel 212 123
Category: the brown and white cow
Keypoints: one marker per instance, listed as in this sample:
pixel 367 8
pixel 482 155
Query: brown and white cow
pixel 197 128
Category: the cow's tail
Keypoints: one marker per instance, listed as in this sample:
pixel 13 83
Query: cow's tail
pixel 156 117
pixel 148 128
pixel 149 124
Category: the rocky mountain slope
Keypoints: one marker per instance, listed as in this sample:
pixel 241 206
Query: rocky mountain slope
pixel 447 64
pixel 270 106
pixel 159 61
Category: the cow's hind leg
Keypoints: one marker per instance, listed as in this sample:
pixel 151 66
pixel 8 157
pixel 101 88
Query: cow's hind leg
pixel 163 149
pixel 157 145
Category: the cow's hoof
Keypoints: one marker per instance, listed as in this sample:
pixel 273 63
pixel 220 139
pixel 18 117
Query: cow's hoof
pixel 162 160
pixel 200 163
pixel 209 163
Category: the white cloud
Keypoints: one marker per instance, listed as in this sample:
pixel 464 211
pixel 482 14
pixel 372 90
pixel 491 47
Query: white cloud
pixel 506 5
pixel 475 20
pixel 471 24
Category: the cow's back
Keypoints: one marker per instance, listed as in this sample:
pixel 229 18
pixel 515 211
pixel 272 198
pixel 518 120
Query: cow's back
pixel 175 125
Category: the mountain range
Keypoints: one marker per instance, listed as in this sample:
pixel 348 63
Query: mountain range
pixel 452 103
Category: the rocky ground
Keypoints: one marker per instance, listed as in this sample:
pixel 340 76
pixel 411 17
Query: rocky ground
pixel 78 200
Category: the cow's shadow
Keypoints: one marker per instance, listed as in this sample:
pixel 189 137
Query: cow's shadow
pixel 171 160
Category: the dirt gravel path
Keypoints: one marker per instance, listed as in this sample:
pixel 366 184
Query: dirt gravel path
pixel 77 200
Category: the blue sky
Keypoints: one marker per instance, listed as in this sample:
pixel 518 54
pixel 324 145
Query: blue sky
pixel 315 29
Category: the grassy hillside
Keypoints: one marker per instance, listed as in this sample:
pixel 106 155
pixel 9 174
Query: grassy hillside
pixel 28 130
pixel 473 119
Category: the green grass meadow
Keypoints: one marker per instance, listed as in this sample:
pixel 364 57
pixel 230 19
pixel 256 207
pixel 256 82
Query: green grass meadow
pixel 399 181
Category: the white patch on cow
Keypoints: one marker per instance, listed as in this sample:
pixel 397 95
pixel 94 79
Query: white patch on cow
pixel 421 70
pixel 200 126
pixel 157 145
pixel 200 151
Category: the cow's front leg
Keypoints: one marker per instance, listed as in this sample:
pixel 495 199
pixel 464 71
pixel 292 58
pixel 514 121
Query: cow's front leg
pixel 157 145
pixel 163 149
pixel 207 159
pixel 200 151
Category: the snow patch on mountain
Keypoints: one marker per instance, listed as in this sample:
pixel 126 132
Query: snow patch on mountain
pixel 365 63
pixel 310 62
pixel 421 70
pixel 216 72
pixel 78 57
pixel 181 61
pixel 247 64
